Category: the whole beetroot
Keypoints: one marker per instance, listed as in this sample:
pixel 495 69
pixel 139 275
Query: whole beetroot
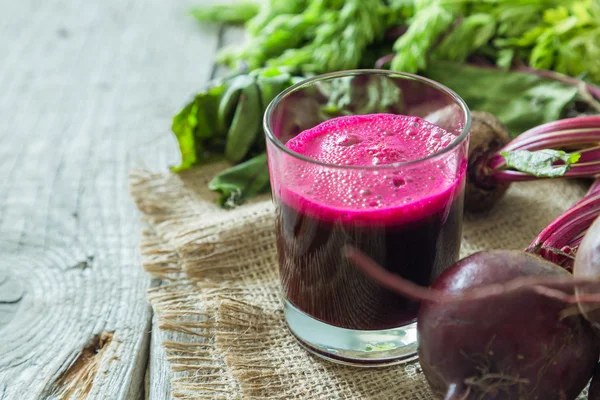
pixel 488 135
pixel 499 325
pixel 506 347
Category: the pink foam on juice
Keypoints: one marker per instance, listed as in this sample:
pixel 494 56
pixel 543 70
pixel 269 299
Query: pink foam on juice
pixel 383 195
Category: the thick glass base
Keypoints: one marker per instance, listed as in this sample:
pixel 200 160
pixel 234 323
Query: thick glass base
pixel 353 347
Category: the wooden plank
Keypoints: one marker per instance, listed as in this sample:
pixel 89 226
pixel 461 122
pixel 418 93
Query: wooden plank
pixel 158 375
pixel 158 384
pixel 84 84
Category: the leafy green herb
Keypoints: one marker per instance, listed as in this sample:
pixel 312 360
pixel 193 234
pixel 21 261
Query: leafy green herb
pixel 242 182
pixel 432 19
pixel 245 125
pixel 269 9
pixel 240 13
pixel 316 36
pixel 540 163
pixel 225 119
pixel 471 34
pixel 311 36
pixel 196 129
pixel 520 100
pixel 565 38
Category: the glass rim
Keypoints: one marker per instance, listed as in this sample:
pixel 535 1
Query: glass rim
pixel 354 72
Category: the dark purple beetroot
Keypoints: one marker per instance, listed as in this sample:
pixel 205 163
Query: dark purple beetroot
pixel 488 135
pixel 510 346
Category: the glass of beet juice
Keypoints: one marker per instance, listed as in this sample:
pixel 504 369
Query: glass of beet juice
pixel 376 160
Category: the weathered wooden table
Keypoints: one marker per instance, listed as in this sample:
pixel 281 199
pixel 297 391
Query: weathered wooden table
pixel 87 90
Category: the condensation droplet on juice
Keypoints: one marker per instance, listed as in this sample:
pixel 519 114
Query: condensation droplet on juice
pixel 376 160
pixel 373 204
pixel 365 192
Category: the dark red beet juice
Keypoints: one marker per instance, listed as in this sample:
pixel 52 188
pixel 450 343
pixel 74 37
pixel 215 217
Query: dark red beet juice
pixel 408 218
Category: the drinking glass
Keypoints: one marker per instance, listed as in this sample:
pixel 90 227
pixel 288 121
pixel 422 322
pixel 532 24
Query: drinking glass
pixel 406 216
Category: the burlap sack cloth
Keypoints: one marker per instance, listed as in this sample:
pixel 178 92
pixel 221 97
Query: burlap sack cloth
pixel 220 307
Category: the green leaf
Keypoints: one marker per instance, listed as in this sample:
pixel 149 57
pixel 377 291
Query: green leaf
pixel 271 82
pixel 540 163
pixel 242 182
pixel 522 101
pixel 245 124
pixel 232 14
pixel 229 102
pixel 196 130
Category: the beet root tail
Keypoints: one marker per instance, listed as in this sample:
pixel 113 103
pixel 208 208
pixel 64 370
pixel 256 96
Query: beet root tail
pixel 555 287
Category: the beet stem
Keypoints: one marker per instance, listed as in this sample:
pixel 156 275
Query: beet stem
pixel 549 140
pixel 580 132
pixel 380 63
pixel 590 154
pixel 592 121
pixel 556 139
pixel 583 171
pixel 582 206
pixel 573 227
pixel 543 285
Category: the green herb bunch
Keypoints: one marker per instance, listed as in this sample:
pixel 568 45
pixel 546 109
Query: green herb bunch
pixel 307 36
pixel 317 36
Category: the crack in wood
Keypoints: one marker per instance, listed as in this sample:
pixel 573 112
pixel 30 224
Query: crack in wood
pixel 87 263
pixel 77 381
pixel 12 301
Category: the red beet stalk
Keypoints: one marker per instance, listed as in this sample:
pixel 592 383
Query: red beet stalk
pixel 581 135
pixel 559 241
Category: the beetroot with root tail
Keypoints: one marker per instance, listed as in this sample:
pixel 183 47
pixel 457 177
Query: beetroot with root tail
pixel 501 325
pixel 488 135
pixel 514 346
